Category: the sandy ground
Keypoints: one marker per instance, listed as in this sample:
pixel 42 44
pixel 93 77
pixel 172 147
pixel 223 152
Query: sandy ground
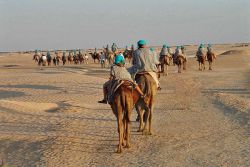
pixel 51 117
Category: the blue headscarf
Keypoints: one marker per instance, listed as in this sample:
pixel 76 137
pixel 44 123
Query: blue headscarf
pixel 119 59
pixel 142 42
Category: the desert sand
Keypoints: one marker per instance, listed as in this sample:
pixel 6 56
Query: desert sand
pixel 50 116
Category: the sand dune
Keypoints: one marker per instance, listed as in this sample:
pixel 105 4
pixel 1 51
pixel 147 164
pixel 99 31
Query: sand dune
pixel 238 52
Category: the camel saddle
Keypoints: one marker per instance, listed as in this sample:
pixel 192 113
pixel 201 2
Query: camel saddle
pixel 117 84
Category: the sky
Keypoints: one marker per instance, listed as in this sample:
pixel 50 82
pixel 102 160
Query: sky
pixel 69 24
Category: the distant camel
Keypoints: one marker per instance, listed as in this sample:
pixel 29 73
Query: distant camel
pixel 95 56
pixel 36 57
pixel 181 62
pixel 201 58
pixel 165 62
pixel 211 57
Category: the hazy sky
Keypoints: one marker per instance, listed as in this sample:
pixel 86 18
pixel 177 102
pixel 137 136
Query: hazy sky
pixel 62 24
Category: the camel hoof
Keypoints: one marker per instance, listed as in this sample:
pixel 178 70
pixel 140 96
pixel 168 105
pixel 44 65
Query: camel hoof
pixel 119 149
pixel 128 146
pixel 145 132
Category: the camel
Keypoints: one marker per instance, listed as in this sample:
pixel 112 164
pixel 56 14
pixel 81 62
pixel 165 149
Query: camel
pixel 86 58
pixel 36 57
pixel 181 62
pixel 201 58
pixel 145 112
pixel 49 60
pixel 95 56
pixel 210 58
pixel 110 57
pixel 125 98
pixel 42 61
pixel 58 59
pixel 64 59
pixel 70 58
pixel 165 60
pixel 80 58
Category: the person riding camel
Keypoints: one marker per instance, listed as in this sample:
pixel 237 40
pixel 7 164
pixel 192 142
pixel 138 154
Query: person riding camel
pixel 48 55
pixel 183 50
pixel 209 48
pixel 118 72
pixel 143 62
pixel 164 51
pixel 178 52
pixel 201 51
pixel 114 48
pixel 156 57
pixel 170 50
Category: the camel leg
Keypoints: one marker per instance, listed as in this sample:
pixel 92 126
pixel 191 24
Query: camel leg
pixel 167 69
pixel 162 69
pixel 185 65
pixel 140 113
pixel 179 68
pixel 120 126
pixel 146 119
pixel 210 65
pixel 150 117
pixel 127 120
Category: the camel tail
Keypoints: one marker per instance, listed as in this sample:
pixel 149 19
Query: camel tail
pixel 126 108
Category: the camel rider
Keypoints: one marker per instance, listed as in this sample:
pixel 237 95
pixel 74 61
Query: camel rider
pixel 201 51
pixel 64 54
pixel 48 55
pixel 79 52
pixel 170 50
pixel 74 52
pixel 126 48
pixel 117 73
pixel 37 53
pixel 132 48
pixel 183 50
pixel 143 62
pixel 114 48
pixel 164 51
pixel 95 50
pixel 156 57
pixel 209 48
pixel 102 57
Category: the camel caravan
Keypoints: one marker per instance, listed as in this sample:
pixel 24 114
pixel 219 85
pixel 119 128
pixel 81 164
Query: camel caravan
pixel 133 87
pixel 73 58
pixel 136 86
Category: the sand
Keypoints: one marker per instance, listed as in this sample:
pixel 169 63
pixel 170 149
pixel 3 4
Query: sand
pixel 50 116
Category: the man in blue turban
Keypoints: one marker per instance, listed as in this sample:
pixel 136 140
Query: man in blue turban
pixel 143 61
